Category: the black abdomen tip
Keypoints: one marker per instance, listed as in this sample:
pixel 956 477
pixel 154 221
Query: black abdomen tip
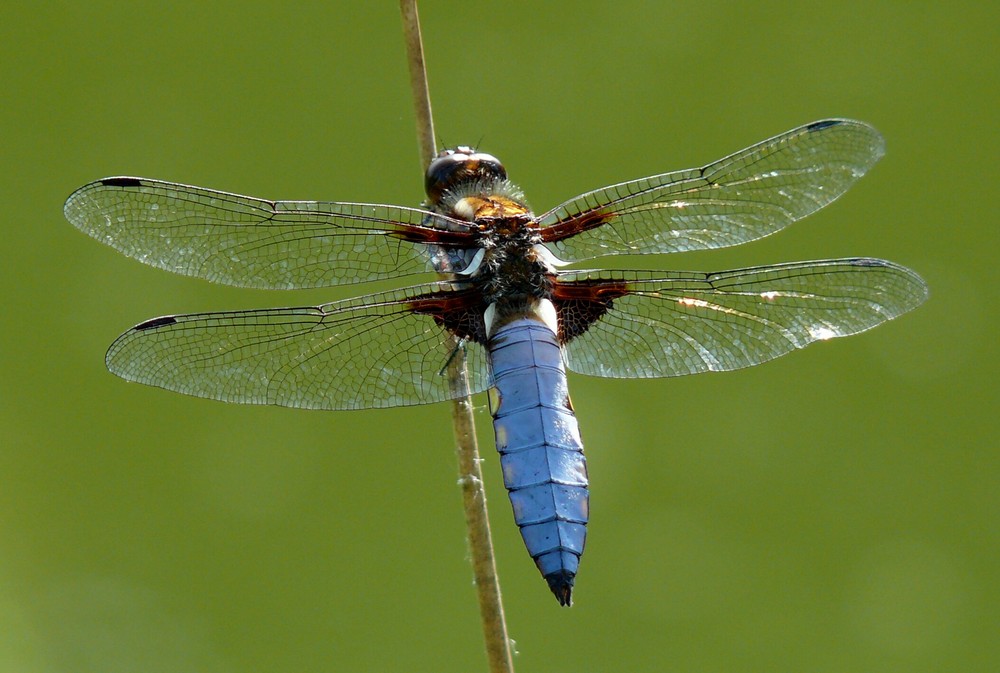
pixel 561 584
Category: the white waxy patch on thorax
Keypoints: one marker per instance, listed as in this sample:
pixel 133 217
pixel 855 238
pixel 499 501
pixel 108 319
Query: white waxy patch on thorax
pixel 546 311
pixel 488 317
pixel 547 257
pixel 464 209
pixel 541 309
pixel 474 265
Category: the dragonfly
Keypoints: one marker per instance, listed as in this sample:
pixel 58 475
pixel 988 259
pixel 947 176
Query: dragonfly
pixel 502 293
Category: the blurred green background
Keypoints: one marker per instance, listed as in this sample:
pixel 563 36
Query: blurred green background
pixel 835 510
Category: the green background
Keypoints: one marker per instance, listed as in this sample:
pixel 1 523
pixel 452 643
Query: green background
pixel 836 510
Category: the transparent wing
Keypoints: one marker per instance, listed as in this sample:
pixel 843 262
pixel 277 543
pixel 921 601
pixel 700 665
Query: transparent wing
pixel 743 197
pixel 249 242
pixel 379 350
pixel 674 323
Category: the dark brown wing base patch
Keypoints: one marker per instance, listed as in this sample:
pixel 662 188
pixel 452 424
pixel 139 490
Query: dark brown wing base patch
pixel 579 304
pixel 460 312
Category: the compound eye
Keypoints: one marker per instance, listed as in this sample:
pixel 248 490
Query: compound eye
pixel 462 164
pixel 488 165
pixel 442 172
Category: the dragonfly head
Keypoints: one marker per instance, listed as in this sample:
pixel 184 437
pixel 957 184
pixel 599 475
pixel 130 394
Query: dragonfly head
pixel 454 167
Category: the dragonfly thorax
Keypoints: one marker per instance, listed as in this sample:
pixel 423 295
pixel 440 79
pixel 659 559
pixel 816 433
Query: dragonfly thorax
pixel 470 186
pixel 511 265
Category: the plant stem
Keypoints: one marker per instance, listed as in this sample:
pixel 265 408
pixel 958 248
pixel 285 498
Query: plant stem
pixel 484 571
pixel 418 80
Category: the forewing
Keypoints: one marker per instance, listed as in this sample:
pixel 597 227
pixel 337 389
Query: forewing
pixel 743 197
pixel 379 350
pixel 249 242
pixel 656 324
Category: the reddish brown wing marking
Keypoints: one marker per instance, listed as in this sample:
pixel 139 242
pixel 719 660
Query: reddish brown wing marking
pixel 579 304
pixel 458 311
pixel 434 236
pixel 590 219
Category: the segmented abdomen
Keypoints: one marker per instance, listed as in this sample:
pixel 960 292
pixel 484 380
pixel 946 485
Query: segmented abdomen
pixel 540 449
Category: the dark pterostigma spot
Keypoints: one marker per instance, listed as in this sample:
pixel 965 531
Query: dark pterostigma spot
pixel 826 123
pixel 155 322
pixel 121 182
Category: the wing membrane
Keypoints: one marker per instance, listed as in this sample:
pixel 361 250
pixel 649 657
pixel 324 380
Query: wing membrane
pixel 249 242
pixel 367 352
pixel 745 196
pixel 674 323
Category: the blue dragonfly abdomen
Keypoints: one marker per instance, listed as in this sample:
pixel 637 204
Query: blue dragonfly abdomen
pixel 541 454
